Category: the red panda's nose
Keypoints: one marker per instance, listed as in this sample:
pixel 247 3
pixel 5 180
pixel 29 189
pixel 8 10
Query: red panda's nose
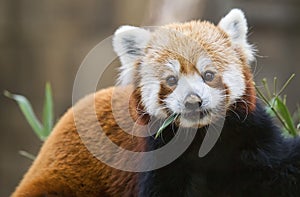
pixel 192 102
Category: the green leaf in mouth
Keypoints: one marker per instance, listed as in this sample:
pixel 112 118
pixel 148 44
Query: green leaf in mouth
pixel 166 123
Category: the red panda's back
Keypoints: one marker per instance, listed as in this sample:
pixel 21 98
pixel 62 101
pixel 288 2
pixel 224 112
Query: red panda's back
pixel 65 167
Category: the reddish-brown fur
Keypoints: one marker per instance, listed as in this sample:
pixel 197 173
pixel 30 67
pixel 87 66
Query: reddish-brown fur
pixel 64 166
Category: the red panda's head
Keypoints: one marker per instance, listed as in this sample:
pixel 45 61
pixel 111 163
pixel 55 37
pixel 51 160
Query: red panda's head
pixel 194 69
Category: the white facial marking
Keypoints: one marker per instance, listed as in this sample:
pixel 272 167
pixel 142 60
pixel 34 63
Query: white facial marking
pixel 211 98
pixel 233 78
pixel 202 63
pixel 201 121
pixel 149 95
pixel 174 65
pixel 150 87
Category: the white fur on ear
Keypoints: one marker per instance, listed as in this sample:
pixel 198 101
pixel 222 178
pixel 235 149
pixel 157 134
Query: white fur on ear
pixel 129 43
pixel 235 25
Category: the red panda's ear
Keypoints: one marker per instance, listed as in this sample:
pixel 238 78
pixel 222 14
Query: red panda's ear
pixel 129 43
pixel 235 25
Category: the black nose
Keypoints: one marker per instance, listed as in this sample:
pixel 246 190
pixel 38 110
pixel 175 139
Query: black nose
pixel 192 102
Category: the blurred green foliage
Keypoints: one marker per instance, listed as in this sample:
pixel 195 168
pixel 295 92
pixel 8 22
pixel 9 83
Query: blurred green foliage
pixel 276 106
pixel 42 130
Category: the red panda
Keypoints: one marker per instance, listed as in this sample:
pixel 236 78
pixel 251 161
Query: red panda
pixel 198 71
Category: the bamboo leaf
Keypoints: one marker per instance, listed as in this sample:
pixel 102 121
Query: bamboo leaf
pixel 27 111
pixel 166 123
pixel 269 105
pixel 48 110
pixel 285 114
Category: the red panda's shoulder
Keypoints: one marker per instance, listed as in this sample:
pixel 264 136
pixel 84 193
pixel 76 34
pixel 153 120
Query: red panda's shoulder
pixel 66 153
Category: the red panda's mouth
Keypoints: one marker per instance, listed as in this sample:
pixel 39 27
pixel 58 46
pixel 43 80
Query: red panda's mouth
pixel 195 114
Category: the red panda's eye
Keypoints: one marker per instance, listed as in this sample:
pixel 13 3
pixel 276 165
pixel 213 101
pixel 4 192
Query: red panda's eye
pixel 209 76
pixel 171 80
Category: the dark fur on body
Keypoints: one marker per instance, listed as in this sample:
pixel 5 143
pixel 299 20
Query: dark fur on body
pixel 251 158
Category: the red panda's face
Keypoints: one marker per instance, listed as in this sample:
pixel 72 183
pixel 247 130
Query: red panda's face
pixel 196 69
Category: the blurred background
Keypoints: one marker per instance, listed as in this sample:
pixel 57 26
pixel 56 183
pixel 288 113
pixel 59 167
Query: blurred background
pixel 47 40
